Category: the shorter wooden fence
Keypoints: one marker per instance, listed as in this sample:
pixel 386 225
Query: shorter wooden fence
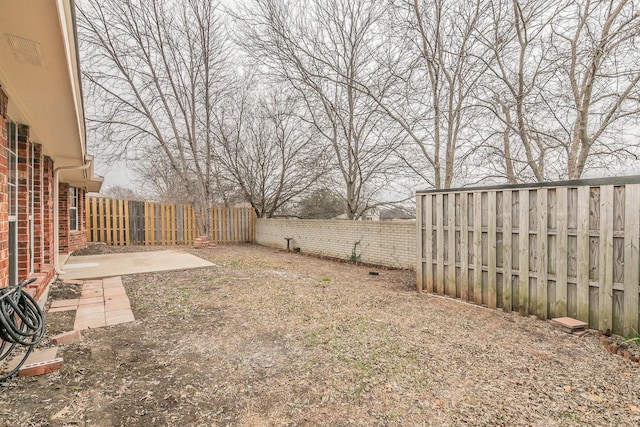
pixel 550 250
pixel 126 222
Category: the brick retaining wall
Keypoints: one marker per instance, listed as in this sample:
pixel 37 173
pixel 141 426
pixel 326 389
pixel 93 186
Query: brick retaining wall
pixel 391 244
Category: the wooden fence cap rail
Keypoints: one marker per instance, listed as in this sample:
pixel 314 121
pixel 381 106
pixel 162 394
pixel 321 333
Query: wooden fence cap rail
pixel 592 182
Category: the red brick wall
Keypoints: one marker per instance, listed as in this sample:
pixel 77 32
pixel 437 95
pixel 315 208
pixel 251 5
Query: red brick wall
pixel 47 210
pixel 70 240
pixel 4 212
pixel 42 265
pixel 24 257
pixel 43 204
pixel 63 218
pixel 38 240
pixel 78 239
pixel 42 208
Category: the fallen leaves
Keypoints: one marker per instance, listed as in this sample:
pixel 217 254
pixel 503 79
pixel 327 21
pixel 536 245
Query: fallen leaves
pixel 633 408
pixel 260 340
pixel 61 413
pixel 592 397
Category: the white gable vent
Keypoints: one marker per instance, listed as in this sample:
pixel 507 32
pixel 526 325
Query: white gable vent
pixel 26 51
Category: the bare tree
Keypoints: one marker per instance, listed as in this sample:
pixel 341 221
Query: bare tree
pixel 121 193
pixel 432 60
pixel 157 71
pixel 521 64
pixel 155 175
pixel 321 204
pixel 566 77
pixel 321 49
pixel 603 74
pixel 267 152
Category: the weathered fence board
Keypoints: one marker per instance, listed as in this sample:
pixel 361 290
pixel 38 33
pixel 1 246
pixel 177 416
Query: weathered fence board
pixel 125 222
pixel 631 259
pixel 541 254
pixel 582 262
pixel 551 250
pixel 560 259
pixel 491 250
pixel 477 248
pixel 464 243
pixel 507 233
pixel 605 260
pixel 440 248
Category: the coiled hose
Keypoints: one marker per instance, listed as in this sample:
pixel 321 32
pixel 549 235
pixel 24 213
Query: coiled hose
pixel 21 323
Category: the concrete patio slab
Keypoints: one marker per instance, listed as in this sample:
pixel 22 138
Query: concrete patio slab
pixel 98 266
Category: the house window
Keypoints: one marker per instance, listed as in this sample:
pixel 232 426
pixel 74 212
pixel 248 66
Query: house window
pixel 73 209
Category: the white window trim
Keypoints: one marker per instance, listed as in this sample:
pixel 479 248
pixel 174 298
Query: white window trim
pixel 73 206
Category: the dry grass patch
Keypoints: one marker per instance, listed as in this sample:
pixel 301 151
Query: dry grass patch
pixel 273 338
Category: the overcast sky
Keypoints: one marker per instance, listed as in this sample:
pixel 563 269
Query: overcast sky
pixel 118 174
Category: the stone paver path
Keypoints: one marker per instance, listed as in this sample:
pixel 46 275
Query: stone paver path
pixel 103 302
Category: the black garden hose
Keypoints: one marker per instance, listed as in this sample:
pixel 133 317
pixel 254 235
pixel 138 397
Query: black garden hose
pixel 21 323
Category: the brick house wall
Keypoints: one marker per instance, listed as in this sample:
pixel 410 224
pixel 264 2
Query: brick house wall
pixel 43 253
pixel 78 238
pixel 23 186
pixel 38 205
pixel 63 218
pixel 30 154
pixel 387 243
pixel 42 256
pixel 70 240
pixel 47 210
pixel 4 207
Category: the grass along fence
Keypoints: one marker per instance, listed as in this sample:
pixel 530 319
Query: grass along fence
pixel 126 222
pixel 565 249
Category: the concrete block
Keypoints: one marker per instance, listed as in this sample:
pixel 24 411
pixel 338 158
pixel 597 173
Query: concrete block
pixel 70 337
pixel 40 368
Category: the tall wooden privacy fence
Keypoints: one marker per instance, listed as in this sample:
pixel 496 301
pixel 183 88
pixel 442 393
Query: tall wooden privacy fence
pixel 126 222
pixel 567 249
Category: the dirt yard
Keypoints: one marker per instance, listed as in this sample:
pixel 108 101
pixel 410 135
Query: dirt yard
pixel 269 338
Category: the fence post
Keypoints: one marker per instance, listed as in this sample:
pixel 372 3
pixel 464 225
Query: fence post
pixel 631 259
pixel 439 285
pixel 127 230
pixel 492 294
pixel 523 252
pixel 605 268
pixel 507 237
pixel 464 246
pixel 582 312
pixel 541 273
pixel 477 248
pixel 87 219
